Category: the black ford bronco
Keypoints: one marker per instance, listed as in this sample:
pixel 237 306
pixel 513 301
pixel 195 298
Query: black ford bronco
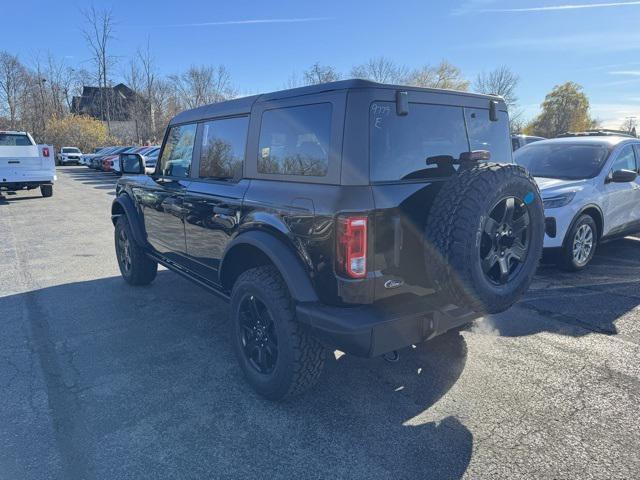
pixel 350 215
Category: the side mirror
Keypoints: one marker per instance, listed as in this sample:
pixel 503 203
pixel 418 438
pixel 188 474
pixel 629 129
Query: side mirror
pixel 131 163
pixel 622 176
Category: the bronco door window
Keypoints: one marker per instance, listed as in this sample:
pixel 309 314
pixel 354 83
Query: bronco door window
pixel 178 151
pixel 295 140
pixel 223 148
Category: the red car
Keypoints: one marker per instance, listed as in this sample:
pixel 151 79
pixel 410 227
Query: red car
pixel 107 163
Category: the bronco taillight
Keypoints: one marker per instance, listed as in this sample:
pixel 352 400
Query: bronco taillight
pixel 352 246
pixel 45 151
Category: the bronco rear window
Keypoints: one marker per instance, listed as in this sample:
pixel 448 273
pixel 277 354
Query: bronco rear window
pixel 14 140
pixel 407 147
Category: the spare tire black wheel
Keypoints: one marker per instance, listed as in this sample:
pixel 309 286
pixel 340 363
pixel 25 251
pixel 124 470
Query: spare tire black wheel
pixel 484 236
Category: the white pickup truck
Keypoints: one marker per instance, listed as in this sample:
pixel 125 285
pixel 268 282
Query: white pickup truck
pixel 25 165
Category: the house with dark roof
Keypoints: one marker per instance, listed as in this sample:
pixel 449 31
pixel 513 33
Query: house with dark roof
pixel 124 105
pixel 93 101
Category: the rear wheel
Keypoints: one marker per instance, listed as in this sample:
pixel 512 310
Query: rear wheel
pixel 278 358
pixel 484 236
pixel 135 266
pixel 580 244
pixel 46 190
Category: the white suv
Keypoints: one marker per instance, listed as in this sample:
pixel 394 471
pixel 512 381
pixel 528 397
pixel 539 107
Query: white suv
pixel 69 155
pixel 591 192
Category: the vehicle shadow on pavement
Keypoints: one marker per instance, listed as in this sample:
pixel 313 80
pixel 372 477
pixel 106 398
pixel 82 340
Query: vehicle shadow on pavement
pixel 143 382
pixel 599 299
pixel 92 178
pixel 16 197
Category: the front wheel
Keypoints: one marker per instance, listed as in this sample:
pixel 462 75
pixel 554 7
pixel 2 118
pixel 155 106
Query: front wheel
pixel 136 268
pixel 580 244
pixel 278 358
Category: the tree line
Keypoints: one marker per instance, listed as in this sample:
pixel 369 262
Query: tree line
pixel 37 97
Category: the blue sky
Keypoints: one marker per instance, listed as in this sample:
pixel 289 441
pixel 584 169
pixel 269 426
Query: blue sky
pixel 547 42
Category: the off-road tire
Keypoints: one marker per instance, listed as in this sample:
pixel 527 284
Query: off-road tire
pixel 566 260
pixel 142 270
pixel 300 356
pixel 454 229
pixel 46 190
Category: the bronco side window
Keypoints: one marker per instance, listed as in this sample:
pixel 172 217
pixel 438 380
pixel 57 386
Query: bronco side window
pixel 295 140
pixel 178 151
pixel 223 146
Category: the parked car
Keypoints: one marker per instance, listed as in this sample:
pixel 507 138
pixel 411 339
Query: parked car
pixel 115 166
pixel 590 190
pixel 86 158
pixel 349 215
pixel 69 155
pixel 148 156
pixel 97 162
pixel 519 141
pixel 25 165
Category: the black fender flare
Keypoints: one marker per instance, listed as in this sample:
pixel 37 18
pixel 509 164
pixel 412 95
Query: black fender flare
pixel 123 205
pixel 284 259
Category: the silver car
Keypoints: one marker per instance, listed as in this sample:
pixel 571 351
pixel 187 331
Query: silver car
pixel 591 192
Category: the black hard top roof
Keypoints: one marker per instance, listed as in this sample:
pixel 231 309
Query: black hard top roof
pixel 243 105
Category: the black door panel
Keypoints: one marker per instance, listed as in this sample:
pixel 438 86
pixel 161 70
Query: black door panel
pixel 212 214
pixel 162 208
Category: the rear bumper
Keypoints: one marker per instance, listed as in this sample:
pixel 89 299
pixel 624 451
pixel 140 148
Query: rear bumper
pixel 27 176
pixel 13 186
pixel 371 330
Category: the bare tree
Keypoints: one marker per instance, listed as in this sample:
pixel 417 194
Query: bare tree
pixel 381 70
pixel 629 125
pixel 501 81
pixel 202 85
pixel 13 82
pixel 317 74
pixel 98 34
pixel 445 75
pixel 59 80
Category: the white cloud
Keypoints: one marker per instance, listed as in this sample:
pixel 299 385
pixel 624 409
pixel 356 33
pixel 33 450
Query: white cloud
pixel 632 73
pixel 548 8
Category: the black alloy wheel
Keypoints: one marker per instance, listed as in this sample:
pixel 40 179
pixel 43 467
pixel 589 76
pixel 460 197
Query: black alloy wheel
pixel 258 335
pixel 124 251
pixel 505 240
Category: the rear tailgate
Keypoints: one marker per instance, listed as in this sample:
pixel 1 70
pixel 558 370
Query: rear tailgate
pixel 21 157
pixel 32 163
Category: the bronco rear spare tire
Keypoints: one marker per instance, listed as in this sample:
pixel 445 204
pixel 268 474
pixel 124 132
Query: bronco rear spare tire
pixel 484 236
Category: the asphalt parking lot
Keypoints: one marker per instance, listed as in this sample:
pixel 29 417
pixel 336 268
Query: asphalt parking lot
pixel 102 380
